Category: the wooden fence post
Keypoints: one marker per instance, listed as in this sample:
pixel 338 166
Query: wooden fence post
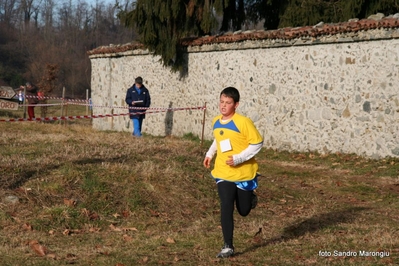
pixel 87 102
pixel 203 126
pixel 62 103
pixel 24 102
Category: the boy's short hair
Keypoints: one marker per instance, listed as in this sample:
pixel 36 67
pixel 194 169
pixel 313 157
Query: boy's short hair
pixel 231 92
pixel 138 80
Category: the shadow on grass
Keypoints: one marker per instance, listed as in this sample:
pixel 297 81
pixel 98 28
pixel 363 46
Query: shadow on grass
pixel 13 182
pixel 311 225
pixel 85 161
pixel 19 179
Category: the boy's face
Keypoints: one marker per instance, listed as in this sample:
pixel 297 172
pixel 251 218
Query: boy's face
pixel 227 106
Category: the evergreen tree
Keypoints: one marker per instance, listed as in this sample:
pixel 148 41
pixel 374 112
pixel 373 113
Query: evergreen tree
pixel 310 12
pixel 233 15
pixel 364 8
pixel 161 24
pixel 267 10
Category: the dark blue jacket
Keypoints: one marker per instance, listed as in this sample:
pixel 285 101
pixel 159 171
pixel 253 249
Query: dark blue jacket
pixel 144 99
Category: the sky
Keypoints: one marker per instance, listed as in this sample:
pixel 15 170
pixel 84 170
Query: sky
pixel 93 2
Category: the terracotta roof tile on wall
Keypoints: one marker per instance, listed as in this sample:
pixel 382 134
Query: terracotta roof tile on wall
pixel 120 48
pixel 352 26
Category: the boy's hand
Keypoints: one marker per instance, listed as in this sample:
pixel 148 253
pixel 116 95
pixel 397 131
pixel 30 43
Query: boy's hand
pixel 207 162
pixel 230 161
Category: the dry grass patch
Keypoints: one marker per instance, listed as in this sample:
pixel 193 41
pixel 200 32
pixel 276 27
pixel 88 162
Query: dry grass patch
pixel 73 195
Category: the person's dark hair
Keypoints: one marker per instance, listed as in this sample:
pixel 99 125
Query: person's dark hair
pixel 231 92
pixel 138 80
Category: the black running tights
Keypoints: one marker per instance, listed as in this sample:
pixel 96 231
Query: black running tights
pixel 228 194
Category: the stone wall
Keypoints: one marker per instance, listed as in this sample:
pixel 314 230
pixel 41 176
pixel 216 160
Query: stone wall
pixel 326 94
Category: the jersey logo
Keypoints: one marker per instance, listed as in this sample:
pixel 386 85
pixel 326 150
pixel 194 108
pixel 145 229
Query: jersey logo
pixel 230 125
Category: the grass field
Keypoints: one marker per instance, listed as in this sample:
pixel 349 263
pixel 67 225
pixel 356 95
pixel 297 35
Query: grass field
pixel 73 195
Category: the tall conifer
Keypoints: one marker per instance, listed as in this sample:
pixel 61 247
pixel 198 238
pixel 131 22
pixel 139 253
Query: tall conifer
pixel 161 24
pixel 295 13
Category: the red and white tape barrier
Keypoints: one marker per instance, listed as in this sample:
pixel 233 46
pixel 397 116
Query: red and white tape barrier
pixel 139 108
pixel 55 98
pixel 112 107
pixel 98 116
pixel 60 118
pixel 41 104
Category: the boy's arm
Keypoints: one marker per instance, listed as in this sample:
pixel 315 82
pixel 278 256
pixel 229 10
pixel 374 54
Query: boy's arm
pixel 130 98
pixel 212 150
pixel 247 154
pixel 209 155
pixel 148 103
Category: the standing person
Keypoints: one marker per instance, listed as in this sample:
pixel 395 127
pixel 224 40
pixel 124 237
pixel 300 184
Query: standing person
pixel 20 95
pixel 138 96
pixel 236 142
pixel 32 97
pixel 43 101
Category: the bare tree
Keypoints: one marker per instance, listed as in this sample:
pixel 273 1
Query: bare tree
pixel 29 9
pixel 42 33
pixel 8 12
pixel 48 17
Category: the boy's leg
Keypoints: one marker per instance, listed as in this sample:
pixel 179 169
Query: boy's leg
pixel 133 126
pixel 227 194
pixel 244 201
pixel 136 127
pixel 140 122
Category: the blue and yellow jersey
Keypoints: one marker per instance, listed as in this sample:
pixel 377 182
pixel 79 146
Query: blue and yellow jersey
pixel 232 137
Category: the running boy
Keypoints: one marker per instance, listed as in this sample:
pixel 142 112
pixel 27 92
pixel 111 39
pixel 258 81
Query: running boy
pixel 236 142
